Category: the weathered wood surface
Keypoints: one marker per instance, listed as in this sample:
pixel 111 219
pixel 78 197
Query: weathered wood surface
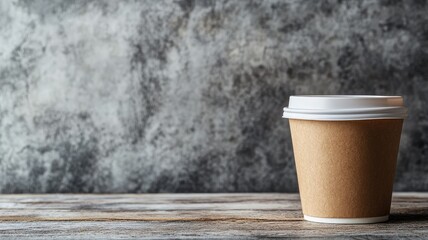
pixel 164 216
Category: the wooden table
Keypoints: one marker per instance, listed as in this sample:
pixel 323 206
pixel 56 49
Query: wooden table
pixel 165 216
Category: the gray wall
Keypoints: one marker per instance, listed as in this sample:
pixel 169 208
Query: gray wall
pixel 183 96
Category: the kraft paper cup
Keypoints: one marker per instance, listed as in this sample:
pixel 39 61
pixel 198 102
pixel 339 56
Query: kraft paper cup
pixel 345 149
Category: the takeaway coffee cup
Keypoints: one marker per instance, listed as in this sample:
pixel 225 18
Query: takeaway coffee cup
pixel 345 149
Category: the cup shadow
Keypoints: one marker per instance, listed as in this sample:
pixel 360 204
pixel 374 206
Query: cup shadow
pixel 415 215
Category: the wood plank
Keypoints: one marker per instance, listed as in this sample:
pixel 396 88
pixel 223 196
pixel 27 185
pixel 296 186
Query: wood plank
pixel 163 216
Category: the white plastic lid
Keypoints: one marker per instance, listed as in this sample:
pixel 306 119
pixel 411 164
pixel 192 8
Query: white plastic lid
pixel 345 107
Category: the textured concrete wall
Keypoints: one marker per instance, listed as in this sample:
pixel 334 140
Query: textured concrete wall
pixel 187 96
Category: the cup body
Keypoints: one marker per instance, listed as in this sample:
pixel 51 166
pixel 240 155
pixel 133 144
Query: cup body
pixel 346 169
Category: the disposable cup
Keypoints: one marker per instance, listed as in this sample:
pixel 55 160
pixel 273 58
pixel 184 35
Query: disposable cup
pixel 345 149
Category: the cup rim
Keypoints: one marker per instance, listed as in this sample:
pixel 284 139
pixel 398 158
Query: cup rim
pixel 345 107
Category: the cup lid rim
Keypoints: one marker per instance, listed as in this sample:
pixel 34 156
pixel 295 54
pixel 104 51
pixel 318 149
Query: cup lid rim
pixel 346 96
pixel 345 107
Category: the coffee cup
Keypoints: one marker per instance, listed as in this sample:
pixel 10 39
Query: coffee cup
pixel 345 149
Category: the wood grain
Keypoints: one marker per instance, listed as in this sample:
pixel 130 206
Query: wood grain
pixel 164 216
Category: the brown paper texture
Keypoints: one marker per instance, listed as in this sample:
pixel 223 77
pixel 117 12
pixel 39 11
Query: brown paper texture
pixel 346 169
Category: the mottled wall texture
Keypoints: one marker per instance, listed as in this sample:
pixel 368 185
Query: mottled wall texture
pixel 187 96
